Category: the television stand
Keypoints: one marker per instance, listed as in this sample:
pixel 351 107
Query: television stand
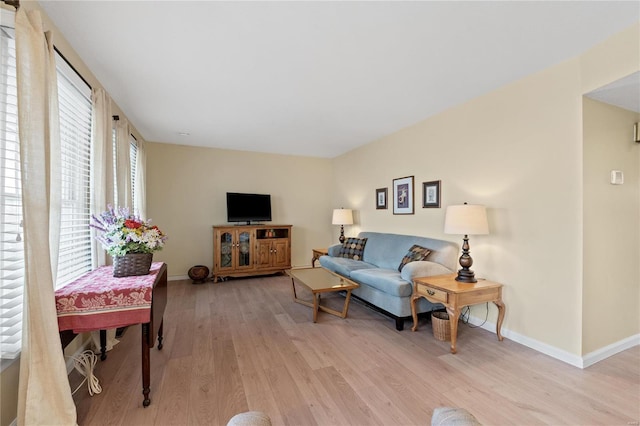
pixel 254 249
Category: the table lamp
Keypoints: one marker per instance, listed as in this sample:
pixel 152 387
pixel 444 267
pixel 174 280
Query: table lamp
pixel 342 217
pixel 466 220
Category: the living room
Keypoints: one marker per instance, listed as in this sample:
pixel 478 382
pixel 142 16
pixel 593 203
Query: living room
pixel 563 240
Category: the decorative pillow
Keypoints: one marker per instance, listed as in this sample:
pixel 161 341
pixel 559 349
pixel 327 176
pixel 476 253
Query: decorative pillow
pixel 353 248
pixel 416 252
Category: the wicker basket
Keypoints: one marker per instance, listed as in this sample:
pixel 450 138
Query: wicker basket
pixel 441 326
pixel 132 264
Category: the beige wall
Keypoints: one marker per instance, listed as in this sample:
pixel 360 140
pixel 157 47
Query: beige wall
pixel 186 196
pixel 611 304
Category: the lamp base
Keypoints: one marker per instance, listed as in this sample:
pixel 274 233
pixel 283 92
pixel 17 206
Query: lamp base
pixel 466 276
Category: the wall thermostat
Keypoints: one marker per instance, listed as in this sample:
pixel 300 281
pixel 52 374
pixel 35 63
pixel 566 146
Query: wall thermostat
pixel 617 177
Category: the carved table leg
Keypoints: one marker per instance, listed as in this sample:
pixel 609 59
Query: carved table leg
pixel 501 309
pixel 414 314
pixel 160 333
pixel 145 364
pixel 454 315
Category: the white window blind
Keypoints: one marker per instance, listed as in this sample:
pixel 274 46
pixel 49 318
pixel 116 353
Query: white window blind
pixel 74 97
pixel 11 244
pixel 133 156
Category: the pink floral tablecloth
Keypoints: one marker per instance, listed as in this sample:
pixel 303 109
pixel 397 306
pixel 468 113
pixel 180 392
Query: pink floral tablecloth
pixel 99 301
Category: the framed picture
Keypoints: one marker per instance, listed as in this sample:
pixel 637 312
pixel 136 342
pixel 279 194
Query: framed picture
pixel 431 194
pixel 381 198
pixel 403 195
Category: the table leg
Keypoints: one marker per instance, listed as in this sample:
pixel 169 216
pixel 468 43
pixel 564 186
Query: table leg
pixel 414 314
pixel 316 303
pixel 345 309
pixel 103 345
pixel 146 380
pixel 160 333
pixel 293 287
pixel 500 306
pixel 454 315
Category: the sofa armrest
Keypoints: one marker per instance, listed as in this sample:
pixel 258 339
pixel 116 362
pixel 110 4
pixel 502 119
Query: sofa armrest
pixel 423 268
pixel 334 250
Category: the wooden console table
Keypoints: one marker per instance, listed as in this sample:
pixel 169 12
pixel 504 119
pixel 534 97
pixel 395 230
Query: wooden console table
pixel 99 301
pixel 455 296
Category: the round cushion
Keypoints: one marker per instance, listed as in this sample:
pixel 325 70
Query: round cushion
pixel 250 418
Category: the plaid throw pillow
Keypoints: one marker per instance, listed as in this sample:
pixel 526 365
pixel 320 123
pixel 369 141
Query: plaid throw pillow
pixel 353 248
pixel 416 252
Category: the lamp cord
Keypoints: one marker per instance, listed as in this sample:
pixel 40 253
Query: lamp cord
pixel 85 363
pixel 466 313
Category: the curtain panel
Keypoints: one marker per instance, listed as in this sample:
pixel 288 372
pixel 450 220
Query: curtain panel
pixel 101 165
pixel 44 395
pixel 123 164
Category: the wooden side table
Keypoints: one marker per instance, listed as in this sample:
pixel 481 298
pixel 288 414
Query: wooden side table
pixel 316 255
pixel 454 296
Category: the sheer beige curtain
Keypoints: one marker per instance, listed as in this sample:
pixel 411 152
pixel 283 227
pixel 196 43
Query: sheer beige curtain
pixel 44 396
pixel 141 172
pixel 101 164
pixel 123 164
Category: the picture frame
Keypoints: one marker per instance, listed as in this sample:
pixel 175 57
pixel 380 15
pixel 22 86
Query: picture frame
pixel 403 195
pixel 431 194
pixel 381 198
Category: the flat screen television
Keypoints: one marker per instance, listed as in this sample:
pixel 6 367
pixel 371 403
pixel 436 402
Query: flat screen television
pixel 248 207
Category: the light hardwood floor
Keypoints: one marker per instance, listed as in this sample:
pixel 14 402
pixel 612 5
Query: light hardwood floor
pixel 245 345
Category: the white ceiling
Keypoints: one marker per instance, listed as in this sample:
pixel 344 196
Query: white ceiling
pixel 316 78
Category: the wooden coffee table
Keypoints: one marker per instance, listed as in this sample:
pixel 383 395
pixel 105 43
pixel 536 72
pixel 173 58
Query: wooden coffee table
pixel 321 280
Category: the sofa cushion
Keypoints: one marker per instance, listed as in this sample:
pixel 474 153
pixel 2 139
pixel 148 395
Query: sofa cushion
pixel 386 280
pixel 353 248
pixel 423 268
pixel 344 266
pixel 415 253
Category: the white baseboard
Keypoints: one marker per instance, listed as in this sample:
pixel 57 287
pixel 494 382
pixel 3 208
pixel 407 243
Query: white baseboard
pixel 560 354
pixel 610 350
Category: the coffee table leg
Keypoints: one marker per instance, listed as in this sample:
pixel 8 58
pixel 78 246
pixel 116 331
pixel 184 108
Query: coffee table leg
pixel 346 304
pixel 316 303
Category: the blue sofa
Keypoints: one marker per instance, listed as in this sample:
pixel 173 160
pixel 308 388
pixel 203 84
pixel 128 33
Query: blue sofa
pixel 381 284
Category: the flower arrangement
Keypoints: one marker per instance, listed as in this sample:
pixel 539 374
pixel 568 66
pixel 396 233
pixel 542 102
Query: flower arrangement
pixel 121 233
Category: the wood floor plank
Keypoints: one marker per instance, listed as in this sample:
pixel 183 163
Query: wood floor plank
pixel 293 409
pixel 244 344
pixel 173 401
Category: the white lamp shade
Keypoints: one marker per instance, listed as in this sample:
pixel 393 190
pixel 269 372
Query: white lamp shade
pixel 466 219
pixel 342 217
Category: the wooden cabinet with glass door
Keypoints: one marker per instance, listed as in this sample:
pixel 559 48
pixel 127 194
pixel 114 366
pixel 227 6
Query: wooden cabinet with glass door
pixel 250 250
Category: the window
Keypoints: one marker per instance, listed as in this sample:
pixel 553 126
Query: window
pixel 74 97
pixel 133 156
